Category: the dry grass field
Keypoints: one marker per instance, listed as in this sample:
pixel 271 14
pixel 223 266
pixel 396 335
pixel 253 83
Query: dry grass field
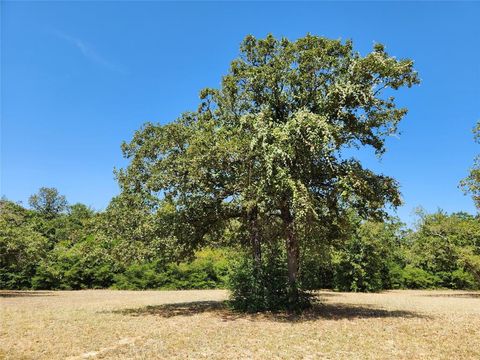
pixel 105 324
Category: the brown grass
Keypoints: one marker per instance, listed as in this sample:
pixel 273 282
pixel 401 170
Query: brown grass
pixel 106 324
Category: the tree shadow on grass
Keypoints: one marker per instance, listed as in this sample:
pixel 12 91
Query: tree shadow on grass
pixel 26 293
pixel 221 309
pixel 472 295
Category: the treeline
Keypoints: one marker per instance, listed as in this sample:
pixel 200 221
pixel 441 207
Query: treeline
pixel 53 245
pixel 73 247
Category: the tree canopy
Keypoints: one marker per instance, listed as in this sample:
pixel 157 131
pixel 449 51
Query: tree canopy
pixel 48 202
pixel 270 144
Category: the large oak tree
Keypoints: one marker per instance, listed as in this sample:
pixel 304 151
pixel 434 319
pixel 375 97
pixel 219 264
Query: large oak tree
pixel 269 146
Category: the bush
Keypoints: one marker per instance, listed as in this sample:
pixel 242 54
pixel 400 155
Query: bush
pixel 208 270
pixel 368 261
pixel 416 278
pixel 21 246
pixel 267 288
pixel 83 265
pixel 317 269
pixel 459 279
pixel 137 277
pixel 396 280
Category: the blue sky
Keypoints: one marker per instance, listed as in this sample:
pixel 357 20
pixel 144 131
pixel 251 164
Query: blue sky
pixel 78 78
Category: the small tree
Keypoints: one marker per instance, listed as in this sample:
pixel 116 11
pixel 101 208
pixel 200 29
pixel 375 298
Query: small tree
pixel 368 261
pixel 21 246
pixel 448 247
pixel 48 202
pixel 268 146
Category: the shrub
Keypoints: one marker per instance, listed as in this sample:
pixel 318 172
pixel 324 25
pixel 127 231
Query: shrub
pixel 368 261
pixel 461 279
pixel 317 269
pixel 396 280
pixel 266 288
pixel 21 246
pixel 208 270
pixel 416 278
pixel 85 264
pixel 137 277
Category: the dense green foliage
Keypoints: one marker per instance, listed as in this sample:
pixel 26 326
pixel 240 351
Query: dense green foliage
pixel 74 250
pixel 48 202
pixel 370 260
pixel 78 249
pixel 253 289
pixel 208 270
pixel 267 148
pixel 447 247
pixel 254 191
pixel 22 247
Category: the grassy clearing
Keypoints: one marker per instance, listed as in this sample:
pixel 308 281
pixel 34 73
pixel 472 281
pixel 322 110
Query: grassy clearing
pixel 105 324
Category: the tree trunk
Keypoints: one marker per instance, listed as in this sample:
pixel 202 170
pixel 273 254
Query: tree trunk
pixel 293 253
pixel 255 239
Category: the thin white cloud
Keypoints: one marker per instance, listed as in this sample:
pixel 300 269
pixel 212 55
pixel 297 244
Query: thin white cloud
pixel 89 52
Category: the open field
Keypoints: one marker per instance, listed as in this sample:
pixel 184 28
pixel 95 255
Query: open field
pixel 105 324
